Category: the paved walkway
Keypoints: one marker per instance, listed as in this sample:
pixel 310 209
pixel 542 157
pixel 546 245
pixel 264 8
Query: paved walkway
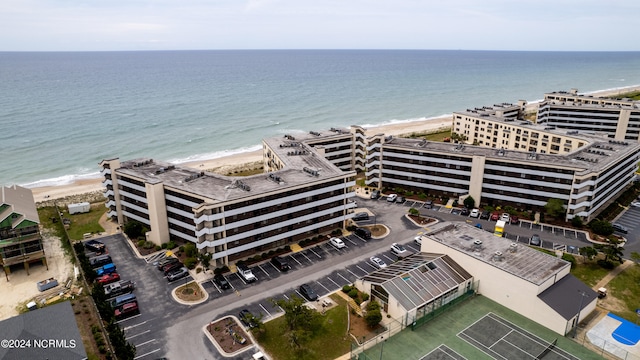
pixel 605 280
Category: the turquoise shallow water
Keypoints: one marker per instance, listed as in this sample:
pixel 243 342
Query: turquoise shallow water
pixel 62 113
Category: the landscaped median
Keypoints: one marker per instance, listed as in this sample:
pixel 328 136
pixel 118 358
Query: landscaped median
pixel 190 294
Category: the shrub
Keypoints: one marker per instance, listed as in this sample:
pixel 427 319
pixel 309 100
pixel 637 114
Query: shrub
pixel 365 296
pixel 158 248
pixel 190 262
pixel 601 227
pixel 570 258
pixel 141 243
pixel 353 293
pixel 198 270
pixel 576 221
pixel 373 317
pixel 171 245
pixel 148 245
pixel 414 211
pixel 373 305
pixel 190 250
pixel 346 289
pixel 221 270
pixel 164 245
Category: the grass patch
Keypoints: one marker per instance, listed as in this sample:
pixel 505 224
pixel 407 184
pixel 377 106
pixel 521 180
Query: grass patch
pixel 430 136
pixel 589 273
pixel 87 222
pixel 329 342
pixel 634 95
pixel 46 216
pixel 625 288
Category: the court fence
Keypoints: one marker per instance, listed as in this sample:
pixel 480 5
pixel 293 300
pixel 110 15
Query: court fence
pixel 607 348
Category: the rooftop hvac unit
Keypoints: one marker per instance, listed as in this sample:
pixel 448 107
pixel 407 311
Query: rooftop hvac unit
pixel 513 247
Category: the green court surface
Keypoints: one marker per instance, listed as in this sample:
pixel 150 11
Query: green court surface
pixel 415 344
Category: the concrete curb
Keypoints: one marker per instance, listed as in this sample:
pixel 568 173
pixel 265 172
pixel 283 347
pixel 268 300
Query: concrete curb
pixel 180 301
pixel 215 343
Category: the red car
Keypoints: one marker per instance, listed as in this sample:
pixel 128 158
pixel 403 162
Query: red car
pixel 514 219
pixel 108 278
pixel 495 216
pixel 127 310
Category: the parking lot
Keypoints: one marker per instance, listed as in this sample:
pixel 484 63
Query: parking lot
pixel 324 267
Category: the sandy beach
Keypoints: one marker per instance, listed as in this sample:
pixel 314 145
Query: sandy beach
pixel 239 160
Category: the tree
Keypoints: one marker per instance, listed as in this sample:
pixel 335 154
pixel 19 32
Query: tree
pixel 414 211
pixel 588 252
pixel 373 318
pixel 469 202
pixel 133 229
pixel 635 256
pixel 601 227
pixel 301 321
pixel 555 207
pixel 576 221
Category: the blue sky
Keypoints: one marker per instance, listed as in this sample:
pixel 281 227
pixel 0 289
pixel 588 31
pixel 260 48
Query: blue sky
pixel 90 25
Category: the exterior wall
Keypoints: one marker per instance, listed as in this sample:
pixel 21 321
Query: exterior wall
pixel 520 296
pixel 475 181
pixel 158 218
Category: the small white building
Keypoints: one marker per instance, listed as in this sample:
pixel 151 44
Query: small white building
pixel 83 207
pixel 416 285
pixel 527 281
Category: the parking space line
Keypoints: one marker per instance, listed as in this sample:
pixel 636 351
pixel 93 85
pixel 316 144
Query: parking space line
pixel 241 279
pixel 136 335
pixel 296 260
pixel 129 318
pixel 319 257
pixel 363 270
pixel 353 243
pixel 330 279
pixel 306 258
pixel 132 326
pixel 388 258
pixel 412 248
pixel 265 310
pixel 278 270
pixel 347 280
pixel 372 266
pixel 146 354
pixel 352 273
pixel 266 273
pixel 145 343
pixel 323 286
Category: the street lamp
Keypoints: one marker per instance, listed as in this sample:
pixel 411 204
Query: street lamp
pixel 582 296
pixel 382 346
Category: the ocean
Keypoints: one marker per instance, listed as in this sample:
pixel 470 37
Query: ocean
pixel 62 113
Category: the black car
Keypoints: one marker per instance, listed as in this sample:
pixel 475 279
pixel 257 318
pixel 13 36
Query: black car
pixel 280 263
pixel 308 292
pixel 363 233
pixel 221 281
pixel 535 240
pixel 375 194
pixel 167 261
pixel 361 216
pixel 485 215
pixel 428 204
pixel 464 212
pixel 247 318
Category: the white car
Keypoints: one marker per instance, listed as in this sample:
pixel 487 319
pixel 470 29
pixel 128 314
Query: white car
pixel 337 243
pixel 398 249
pixel 506 218
pixel 392 197
pixel 378 262
pixel 635 204
pixel 418 240
pixel 474 213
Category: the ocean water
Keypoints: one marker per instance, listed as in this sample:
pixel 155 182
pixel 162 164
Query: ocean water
pixel 62 113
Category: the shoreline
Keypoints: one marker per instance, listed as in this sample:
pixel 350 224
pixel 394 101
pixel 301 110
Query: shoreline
pixel 240 160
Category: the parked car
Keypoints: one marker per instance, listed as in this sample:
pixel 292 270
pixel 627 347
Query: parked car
pixel 363 233
pixel 398 249
pixel 505 217
pixel 337 243
pixel 417 240
pixel 245 272
pixel 247 318
pixel 308 292
pixel 392 197
pixel 495 216
pixel 177 274
pixel 375 194
pixel 620 228
pixel 127 310
pixel 361 216
pixel 280 263
pixel 514 219
pixel 95 246
pixel 635 204
pixel 485 215
pixel 400 199
pixel 106 269
pixel 108 278
pixel 474 213
pixel 378 262
pixel 170 267
pixel 535 240
pixel 100 260
pixel 166 261
pixel 428 204
pixel 122 299
pixel 464 211
pixel 221 281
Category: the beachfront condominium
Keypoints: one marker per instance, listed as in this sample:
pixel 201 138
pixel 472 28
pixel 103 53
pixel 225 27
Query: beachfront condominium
pixel 233 217
pixel 617 118
pixel 20 239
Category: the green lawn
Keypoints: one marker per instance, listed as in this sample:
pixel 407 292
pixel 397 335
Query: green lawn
pixel 86 223
pixel 626 287
pixel 330 342
pixel 431 136
pixel 590 273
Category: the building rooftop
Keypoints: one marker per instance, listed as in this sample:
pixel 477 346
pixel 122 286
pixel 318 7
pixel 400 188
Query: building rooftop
pixel 597 154
pixel 419 278
pixel 516 259
pixel 18 200
pixel 303 167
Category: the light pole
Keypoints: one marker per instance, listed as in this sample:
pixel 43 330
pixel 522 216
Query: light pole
pixel 382 346
pixel 582 296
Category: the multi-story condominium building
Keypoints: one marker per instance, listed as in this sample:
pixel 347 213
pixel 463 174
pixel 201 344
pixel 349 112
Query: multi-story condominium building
pixel 233 217
pixel 585 179
pixel 617 118
pixel 20 240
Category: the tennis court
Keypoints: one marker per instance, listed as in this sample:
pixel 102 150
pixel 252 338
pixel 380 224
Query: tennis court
pixel 442 352
pixel 501 339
